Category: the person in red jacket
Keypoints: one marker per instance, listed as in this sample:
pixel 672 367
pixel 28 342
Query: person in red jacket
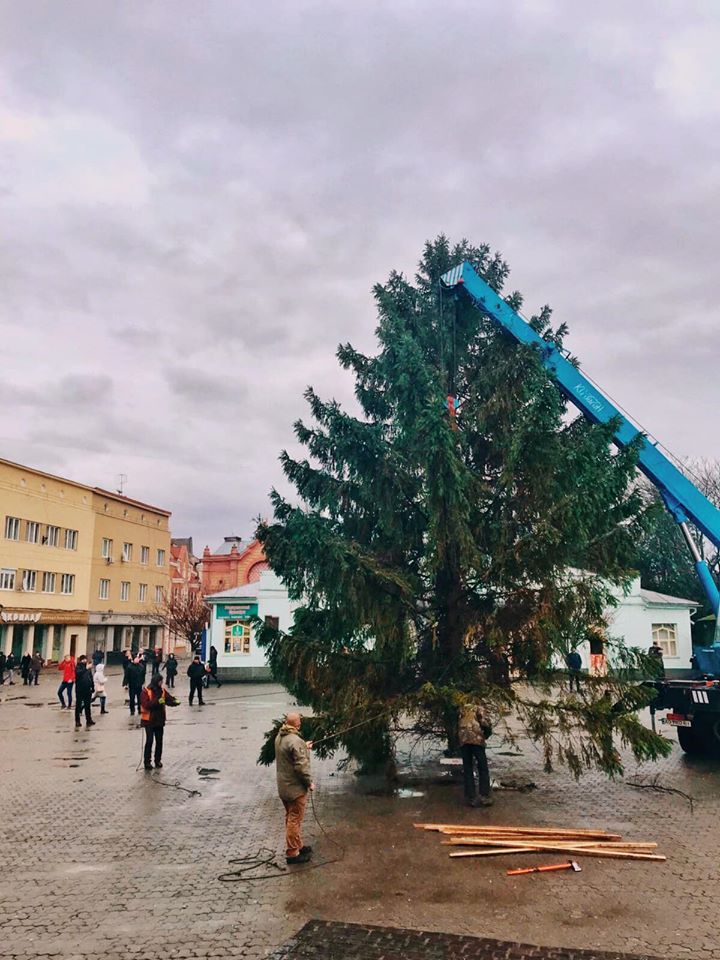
pixel 153 701
pixel 67 666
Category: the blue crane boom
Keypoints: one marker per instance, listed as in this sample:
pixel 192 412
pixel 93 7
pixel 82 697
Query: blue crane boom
pixel 682 498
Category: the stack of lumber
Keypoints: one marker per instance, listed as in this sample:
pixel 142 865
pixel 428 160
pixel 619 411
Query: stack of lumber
pixel 490 841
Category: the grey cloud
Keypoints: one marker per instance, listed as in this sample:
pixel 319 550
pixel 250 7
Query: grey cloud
pixel 197 202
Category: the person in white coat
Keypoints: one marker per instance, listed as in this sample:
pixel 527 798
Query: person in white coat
pixel 100 682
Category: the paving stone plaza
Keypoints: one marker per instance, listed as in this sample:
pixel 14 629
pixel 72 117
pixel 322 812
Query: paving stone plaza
pixel 102 860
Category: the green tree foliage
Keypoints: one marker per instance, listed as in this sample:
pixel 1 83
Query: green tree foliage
pixel 437 557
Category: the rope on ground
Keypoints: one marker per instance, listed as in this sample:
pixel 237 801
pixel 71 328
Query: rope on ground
pixel 659 788
pixel 266 858
pixel 177 786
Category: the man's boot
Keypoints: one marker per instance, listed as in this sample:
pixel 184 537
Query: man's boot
pixel 300 858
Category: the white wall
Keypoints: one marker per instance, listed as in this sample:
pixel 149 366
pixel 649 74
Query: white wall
pixel 273 601
pixel 632 620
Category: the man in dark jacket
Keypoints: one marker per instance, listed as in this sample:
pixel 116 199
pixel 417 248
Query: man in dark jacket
pixel 196 672
pixel 3 661
pixel 213 667
pixel 135 674
pixel 36 665
pixel 84 687
pixel 153 700
pixel 573 661
pixel 10 667
pixel 292 762
pixel 171 668
pixel 25 667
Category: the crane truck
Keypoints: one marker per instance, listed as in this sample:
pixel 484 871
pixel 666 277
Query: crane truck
pixel 692 705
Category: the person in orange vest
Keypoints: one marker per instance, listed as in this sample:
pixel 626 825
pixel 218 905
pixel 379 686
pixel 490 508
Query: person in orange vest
pixel 153 700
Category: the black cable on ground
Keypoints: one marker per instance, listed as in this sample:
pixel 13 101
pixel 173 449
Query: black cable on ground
pixel 266 858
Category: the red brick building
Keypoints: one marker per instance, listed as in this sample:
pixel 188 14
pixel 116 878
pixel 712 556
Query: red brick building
pixel 236 562
pixel 184 576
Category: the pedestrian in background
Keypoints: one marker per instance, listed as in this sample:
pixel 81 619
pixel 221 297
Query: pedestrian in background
pixel 171 669
pixel 135 681
pixel 126 661
pixel 36 665
pixel 25 667
pixel 97 657
pixel 292 767
pixel 3 662
pixel 67 666
pixel 83 692
pixel 655 652
pixel 473 730
pixel 100 682
pixel 10 667
pixel 573 662
pixel 196 672
pixel 213 667
pixel 153 700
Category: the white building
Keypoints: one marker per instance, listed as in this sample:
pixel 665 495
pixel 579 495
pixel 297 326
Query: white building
pixel 239 656
pixel 642 616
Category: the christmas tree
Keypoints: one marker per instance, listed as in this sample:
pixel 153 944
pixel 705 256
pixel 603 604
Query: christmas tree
pixel 455 539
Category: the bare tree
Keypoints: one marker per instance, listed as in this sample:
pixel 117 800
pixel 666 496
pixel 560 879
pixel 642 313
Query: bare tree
pixel 186 615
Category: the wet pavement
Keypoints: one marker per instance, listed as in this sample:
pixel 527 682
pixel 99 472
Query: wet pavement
pixel 101 859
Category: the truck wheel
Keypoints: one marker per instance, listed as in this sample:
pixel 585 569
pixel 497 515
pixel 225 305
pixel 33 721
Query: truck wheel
pixel 689 741
pixel 702 738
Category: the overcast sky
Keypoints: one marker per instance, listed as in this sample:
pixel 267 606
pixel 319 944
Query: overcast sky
pixel 196 198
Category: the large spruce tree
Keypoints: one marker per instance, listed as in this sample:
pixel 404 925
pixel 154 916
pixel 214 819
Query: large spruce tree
pixel 441 556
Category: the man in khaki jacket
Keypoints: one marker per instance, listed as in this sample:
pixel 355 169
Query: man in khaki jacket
pixel 473 730
pixel 292 761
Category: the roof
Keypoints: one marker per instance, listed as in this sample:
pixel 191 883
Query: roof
pixel 183 542
pixel 230 542
pixel 247 590
pixel 652 596
pixel 136 503
pixel 111 494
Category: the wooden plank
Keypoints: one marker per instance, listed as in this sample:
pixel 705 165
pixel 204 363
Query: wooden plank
pixel 474 840
pixel 468 830
pixel 598 849
pixel 472 827
pixel 579 851
pixel 499 835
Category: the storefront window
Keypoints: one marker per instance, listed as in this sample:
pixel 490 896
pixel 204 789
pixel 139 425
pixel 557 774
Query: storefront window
pixel 237 636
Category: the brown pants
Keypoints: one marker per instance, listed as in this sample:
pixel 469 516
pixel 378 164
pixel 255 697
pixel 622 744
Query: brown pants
pixel 294 813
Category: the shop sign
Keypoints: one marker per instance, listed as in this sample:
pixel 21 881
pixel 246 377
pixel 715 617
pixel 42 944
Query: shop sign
pixel 10 617
pixel 236 611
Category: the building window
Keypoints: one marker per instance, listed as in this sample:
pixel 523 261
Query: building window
pixel 12 528
pixel 71 538
pixel 67 583
pixel 142 592
pixel 32 531
pixel 665 634
pixel 48 583
pixel 125 590
pixel 52 537
pixel 237 636
pixel 158 594
pixel 107 546
pixel 272 622
pixel 127 552
pixel 7 579
pixel 161 558
pixel 144 554
pixel 29 580
pixel 104 589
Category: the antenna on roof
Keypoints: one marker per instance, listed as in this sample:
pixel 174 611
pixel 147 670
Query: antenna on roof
pixel 123 480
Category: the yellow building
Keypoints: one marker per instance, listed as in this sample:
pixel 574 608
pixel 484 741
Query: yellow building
pixel 64 585
pixel 130 573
